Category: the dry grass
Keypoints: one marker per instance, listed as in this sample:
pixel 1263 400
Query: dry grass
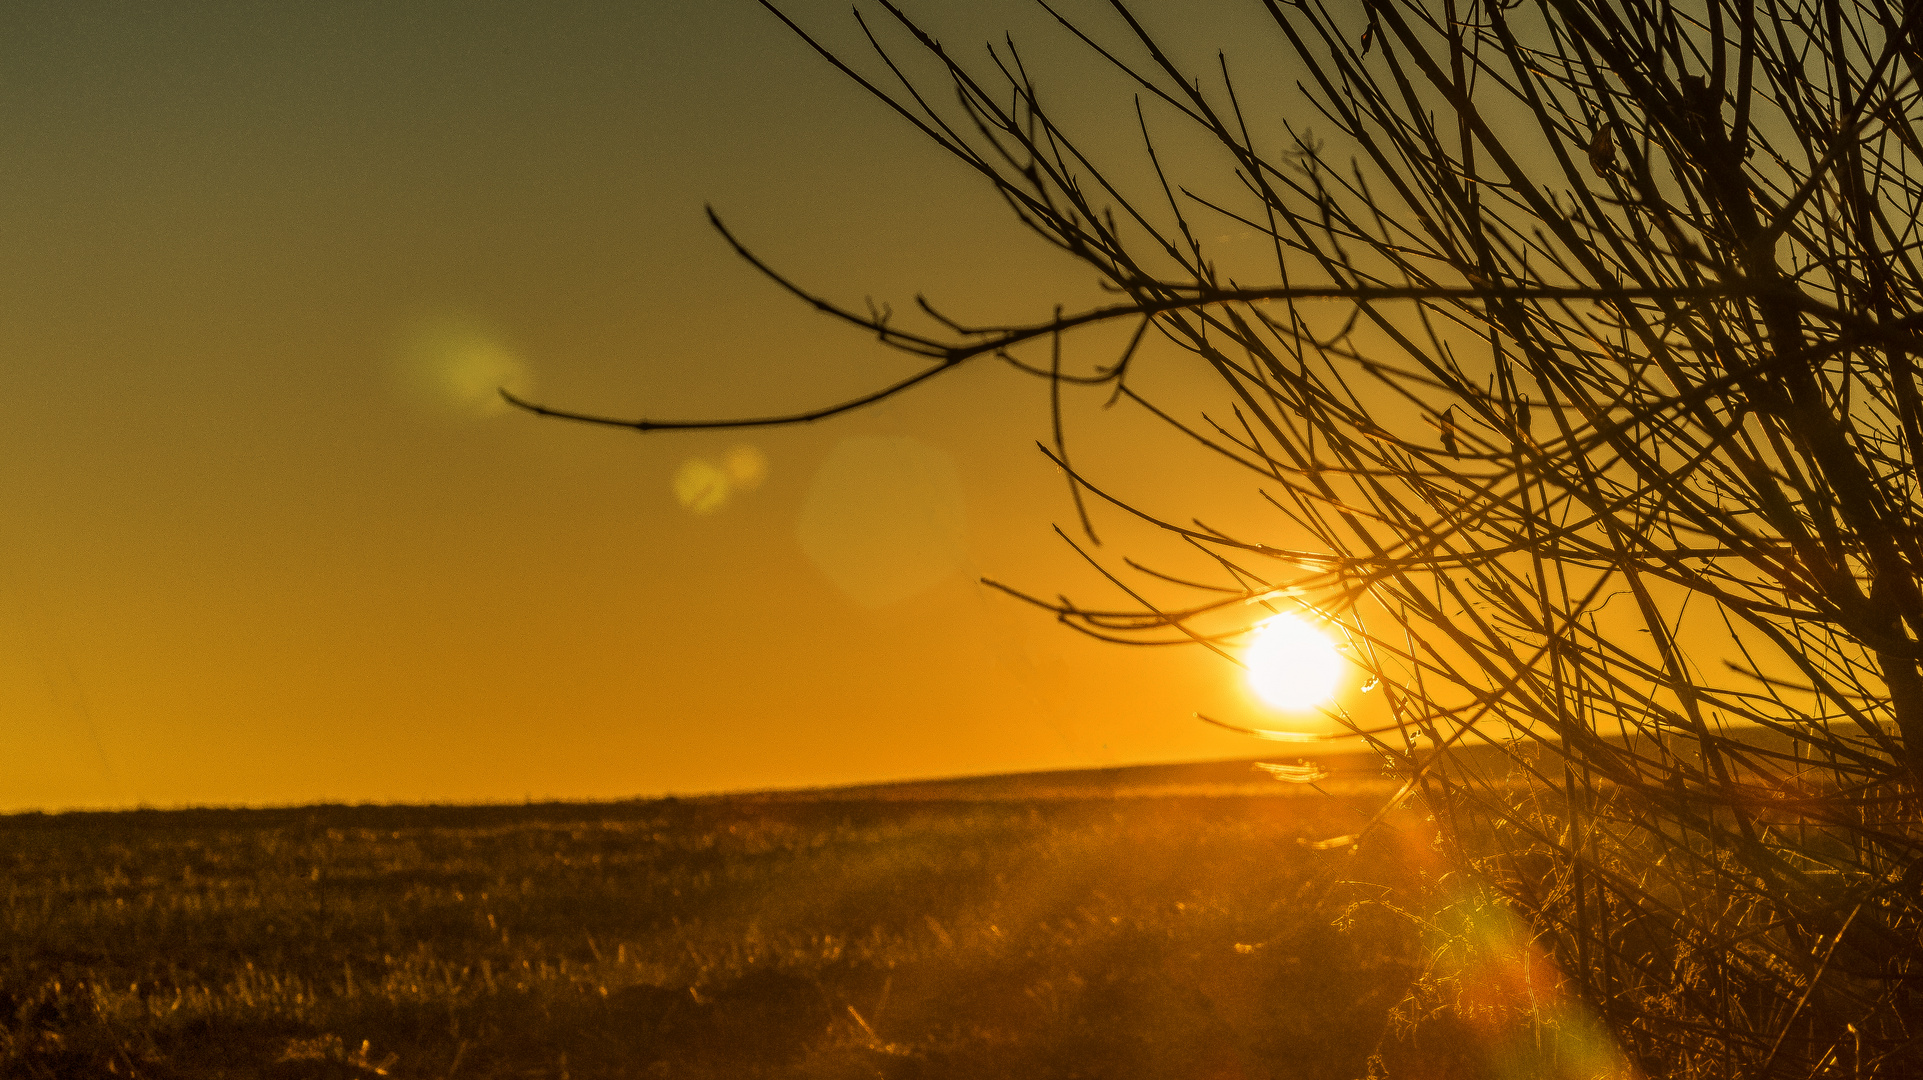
pixel 1173 936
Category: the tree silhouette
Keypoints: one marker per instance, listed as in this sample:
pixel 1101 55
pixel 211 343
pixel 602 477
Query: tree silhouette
pixel 1580 382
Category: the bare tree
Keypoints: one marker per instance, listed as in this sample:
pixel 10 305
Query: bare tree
pixel 1580 381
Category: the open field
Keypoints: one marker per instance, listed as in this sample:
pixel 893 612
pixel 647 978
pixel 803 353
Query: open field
pixel 1114 924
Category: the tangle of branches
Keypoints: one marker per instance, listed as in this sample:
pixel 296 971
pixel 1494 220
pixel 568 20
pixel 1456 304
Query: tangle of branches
pixel 1581 385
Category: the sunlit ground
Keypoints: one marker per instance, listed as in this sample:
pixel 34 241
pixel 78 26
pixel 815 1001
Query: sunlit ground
pixel 927 937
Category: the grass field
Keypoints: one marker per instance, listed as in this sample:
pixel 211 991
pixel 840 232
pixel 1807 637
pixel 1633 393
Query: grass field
pixel 1036 927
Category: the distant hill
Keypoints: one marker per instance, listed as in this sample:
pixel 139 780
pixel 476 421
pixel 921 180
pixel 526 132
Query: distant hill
pixel 1350 772
pixel 1354 770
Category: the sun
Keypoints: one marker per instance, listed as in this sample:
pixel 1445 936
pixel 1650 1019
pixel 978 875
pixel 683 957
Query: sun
pixel 1292 665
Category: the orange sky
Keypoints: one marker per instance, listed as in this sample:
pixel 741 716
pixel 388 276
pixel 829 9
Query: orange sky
pixel 265 541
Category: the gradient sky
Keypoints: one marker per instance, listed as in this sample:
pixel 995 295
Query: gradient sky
pixel 267 539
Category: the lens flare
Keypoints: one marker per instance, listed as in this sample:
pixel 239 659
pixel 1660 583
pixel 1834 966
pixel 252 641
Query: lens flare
pixel 746 466
pixel 1292 665
pixel 885 519
pixel 453 364
pixel 701 487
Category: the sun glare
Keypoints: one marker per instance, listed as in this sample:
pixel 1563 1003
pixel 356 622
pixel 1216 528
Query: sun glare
pixel 1292 665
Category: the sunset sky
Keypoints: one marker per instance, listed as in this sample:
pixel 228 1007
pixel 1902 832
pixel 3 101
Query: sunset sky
pixel 269 538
